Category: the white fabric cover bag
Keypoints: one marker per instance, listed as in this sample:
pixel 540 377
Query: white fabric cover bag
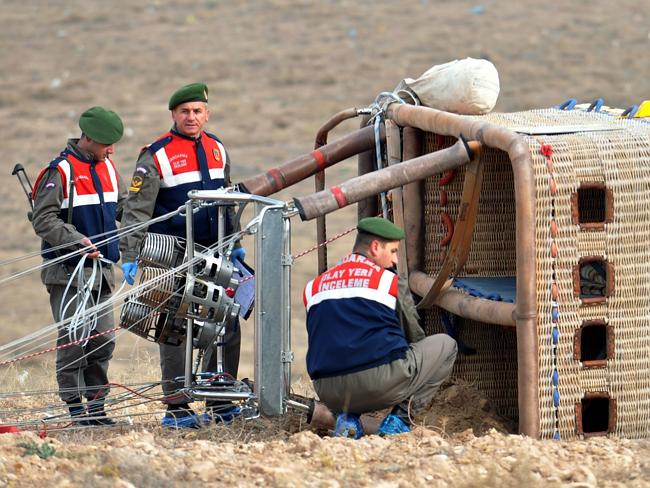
pixel 467 86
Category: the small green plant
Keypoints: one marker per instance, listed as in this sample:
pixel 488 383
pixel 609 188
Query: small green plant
pixel 43 451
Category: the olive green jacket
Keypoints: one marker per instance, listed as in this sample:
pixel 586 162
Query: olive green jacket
pixel 407 312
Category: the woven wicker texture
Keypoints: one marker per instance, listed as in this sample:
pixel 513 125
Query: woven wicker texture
pixel 619 159
pixel 494 368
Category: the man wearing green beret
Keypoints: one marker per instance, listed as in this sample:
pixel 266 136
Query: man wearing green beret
pixel 184 158
pixel 77 199
pixel 366 349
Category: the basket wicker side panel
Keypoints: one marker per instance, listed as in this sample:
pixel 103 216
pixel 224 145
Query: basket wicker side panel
pixel 619 160
pixel 493 369
pixel 627 246
pixel 493 252
pixel 589 151
pixel 557 310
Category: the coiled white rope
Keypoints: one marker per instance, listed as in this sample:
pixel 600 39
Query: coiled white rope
pixel 81 324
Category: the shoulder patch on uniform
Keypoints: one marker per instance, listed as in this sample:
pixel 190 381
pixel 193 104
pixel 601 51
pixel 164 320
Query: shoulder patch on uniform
pixel 49 185
pixel 136 183
pixel 141 169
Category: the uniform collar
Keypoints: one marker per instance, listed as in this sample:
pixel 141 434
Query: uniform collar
pixel 360 254
pixel 175 132
pixel 85 156
pixel 392 269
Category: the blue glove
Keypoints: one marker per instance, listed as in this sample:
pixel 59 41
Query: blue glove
pixel 129 271
pixel 238 253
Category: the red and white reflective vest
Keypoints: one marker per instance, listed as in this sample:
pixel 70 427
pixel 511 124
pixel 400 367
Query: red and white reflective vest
pixel 185 164
pixel 94 197
pixel 179 164
pixel 352 323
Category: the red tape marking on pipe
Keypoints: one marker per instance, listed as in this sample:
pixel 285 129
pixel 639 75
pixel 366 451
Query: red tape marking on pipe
pixel 277 178
pixel 319 157
pixel 339 196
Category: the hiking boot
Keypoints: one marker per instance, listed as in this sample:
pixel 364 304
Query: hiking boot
pixel 77 410
pixel 97 415
pixel 348 425
pixel 99 419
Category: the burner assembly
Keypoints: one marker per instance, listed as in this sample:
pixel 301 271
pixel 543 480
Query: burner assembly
pixel 172 289
pixel 186 295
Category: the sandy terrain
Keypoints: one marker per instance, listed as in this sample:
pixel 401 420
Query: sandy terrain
pixel 277 70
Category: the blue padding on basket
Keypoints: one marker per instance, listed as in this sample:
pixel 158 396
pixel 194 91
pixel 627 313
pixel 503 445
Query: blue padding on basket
pixel 495 289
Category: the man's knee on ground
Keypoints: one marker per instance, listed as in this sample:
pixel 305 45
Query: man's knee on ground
pixel 449 347
pixel 449 352
pixel 444 348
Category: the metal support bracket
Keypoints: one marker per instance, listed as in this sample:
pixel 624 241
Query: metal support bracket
pixel 273 259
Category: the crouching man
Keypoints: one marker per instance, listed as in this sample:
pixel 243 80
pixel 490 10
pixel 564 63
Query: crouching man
pixel 366 349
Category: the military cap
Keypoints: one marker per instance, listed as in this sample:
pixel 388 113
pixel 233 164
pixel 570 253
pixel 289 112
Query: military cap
pixel 381 228
pixel 194 92
pixel 101 125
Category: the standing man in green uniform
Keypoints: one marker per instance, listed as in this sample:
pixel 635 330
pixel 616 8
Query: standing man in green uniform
pixel 183 159
pixel 79 195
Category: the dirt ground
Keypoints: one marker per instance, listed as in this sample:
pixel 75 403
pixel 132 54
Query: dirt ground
pixel 277 70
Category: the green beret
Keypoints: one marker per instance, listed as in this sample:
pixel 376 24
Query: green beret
pixel 101 125
pixel 381 228
pixel 194 92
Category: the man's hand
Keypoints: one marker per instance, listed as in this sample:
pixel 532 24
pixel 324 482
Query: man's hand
pixel 129 270
pixel 92 251
pixel 238 253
